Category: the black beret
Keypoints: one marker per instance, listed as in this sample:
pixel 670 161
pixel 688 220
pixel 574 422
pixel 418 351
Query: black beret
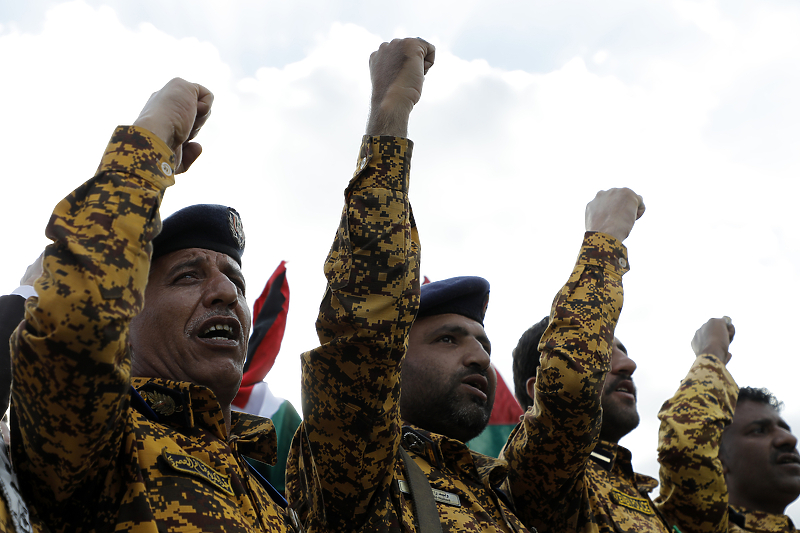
pixel 208 226
pixel 465 295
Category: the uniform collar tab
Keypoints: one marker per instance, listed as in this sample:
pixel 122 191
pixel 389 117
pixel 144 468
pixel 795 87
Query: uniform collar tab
pixel 605 454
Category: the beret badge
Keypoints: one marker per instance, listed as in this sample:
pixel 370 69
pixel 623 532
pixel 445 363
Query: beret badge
pixel 236 227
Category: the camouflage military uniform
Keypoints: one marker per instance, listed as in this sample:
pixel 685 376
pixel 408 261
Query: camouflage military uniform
pixel 557 474
pixel 92 455
pixel 352 429
pixel 758 522
pixel 620 497
pixel 693 494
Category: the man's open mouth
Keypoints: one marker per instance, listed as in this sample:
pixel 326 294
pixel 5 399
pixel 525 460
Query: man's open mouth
pixel 220 328
pixel 478 382
pixel 626 386
pixel 219 331
pixel 788 458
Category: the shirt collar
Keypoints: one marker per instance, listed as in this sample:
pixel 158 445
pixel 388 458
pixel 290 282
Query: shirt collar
pixel 184 404
pixel 444 452
pixel 761 521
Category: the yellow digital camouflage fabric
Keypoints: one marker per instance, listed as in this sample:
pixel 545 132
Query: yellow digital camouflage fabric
pixel 465 482
pixel 88 457
pixel 352 429
pixel 693 495
pixel 619 497
pixel 758 522
pixel 554 479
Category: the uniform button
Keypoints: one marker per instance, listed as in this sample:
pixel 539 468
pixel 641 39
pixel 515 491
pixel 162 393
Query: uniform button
pixel 166 169
pixel 414 443
pixel 622 262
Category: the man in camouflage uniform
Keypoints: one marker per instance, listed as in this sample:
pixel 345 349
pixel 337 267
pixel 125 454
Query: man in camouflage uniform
pixel 566 469
pixel 352 425
pixel 724 470
pixel 93 454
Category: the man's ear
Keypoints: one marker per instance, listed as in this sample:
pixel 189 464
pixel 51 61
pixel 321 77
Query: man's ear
pixel 530 387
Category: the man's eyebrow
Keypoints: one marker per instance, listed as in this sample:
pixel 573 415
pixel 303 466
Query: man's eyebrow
pixel 760 422
pixel 450 328
pixel 462 331
pixel 189 263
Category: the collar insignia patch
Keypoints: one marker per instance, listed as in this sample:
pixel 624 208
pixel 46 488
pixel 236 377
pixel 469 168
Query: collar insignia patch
pixel 602 457
pixel 637 504
pixel 197 468
pixel 162 404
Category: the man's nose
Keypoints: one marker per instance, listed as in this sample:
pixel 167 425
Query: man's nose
pixel 622 364
pixel 477 355
pixel 221 290
pixel 784 439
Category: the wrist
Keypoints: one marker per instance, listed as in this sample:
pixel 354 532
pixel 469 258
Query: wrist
pixel 393 124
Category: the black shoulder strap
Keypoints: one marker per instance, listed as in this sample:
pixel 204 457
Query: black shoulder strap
pixel 736 517
pixel 276 496
pixel 422 496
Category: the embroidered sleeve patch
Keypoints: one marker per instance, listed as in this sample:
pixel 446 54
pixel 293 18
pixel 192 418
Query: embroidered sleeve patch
pixel 194 466
pixel 637 504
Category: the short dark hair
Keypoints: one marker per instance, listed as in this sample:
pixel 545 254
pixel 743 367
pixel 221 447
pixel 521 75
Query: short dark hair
pixel 763 395
pixel 526 360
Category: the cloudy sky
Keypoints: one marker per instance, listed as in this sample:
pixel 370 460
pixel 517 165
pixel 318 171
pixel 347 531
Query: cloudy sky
pixel 530 109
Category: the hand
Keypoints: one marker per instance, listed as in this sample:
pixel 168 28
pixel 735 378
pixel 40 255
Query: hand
pixel 33 272
pixel 614 212
pixel 714 338
pixel 175 114
pixel 397 70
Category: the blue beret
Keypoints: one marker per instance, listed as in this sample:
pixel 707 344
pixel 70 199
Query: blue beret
pixel 465 295
pixel 208 226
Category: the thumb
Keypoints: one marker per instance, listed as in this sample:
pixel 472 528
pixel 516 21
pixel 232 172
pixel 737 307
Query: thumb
pixel 191 151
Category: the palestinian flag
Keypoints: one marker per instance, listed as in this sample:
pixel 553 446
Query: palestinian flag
pixel 254 396
pixel 505 416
